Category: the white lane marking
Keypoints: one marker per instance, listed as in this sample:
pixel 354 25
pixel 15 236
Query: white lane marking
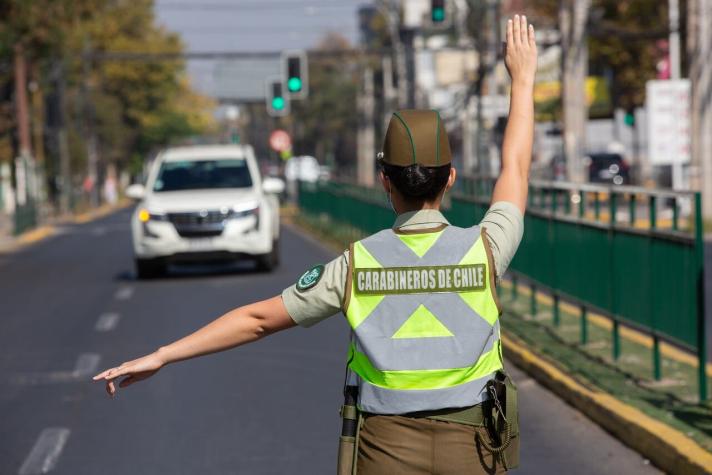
pixel 99 231
pixel 124 293
pixel 107 322
pixel 46 451
pixel 86 364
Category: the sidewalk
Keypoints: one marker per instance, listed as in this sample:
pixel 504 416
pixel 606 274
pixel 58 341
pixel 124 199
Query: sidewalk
pixel 10 243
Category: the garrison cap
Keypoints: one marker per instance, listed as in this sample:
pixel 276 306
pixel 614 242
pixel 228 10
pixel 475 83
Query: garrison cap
pixel 416 136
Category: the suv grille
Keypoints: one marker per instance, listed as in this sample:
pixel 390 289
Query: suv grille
pixel 199 224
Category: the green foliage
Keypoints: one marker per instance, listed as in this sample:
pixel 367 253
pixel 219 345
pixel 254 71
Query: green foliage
pixel 134 107
pixel 622 42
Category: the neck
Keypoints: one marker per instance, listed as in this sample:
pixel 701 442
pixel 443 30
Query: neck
pixel 408 207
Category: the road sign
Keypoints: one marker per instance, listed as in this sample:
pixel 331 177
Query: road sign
pixel 280 141
pixel 668 110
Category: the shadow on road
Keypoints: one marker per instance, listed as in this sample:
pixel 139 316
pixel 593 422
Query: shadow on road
pixel 191 271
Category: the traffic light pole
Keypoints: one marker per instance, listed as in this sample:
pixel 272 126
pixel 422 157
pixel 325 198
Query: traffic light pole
pixel 573 19
pixel 699 47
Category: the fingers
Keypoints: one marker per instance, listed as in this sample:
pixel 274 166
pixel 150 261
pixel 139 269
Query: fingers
pixel 510 32
pixel 112 373
pixel 517 33
pixel 523 30
pixel 532 37
pixel 110 388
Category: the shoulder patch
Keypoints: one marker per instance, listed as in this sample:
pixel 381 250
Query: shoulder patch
pixel 310 278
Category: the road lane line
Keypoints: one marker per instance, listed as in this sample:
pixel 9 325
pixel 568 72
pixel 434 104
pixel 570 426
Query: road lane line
pixel 107 322
pixel 124 293
pixel 86 364
pixel 45 453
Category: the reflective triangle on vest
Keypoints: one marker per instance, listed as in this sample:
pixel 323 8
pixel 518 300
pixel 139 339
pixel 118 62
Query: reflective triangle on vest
pixel 422 324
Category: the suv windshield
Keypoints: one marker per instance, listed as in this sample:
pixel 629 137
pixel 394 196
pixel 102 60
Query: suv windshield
pixel 202 174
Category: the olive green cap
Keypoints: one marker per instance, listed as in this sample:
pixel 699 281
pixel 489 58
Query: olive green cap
pixel 416 136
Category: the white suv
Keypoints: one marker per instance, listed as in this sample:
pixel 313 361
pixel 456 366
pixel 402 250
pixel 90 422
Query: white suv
pixel 204 203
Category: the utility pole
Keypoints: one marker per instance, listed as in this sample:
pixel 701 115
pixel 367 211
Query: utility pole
pixel 487 52
pixel 391 10
pixel 699 48
pixel 573 17
pixel 678 179
pixel 21 106
pixel 366 134
pixel 24 169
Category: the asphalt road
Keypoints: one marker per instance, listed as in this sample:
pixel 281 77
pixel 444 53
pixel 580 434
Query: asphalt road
pixel 70 305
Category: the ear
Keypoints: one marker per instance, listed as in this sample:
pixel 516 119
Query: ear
pixel 385 181
pixel 451 179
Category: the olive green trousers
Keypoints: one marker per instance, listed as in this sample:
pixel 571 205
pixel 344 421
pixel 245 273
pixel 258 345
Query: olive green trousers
pixel 393 445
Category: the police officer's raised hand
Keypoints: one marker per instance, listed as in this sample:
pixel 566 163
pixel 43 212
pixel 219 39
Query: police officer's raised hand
pixel 520 51
pixel 131 371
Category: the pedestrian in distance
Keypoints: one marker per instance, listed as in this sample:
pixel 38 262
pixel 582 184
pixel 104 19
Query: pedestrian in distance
pixel 425 390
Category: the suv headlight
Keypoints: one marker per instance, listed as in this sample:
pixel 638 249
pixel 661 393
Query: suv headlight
pixel 145 216
pixel 240 211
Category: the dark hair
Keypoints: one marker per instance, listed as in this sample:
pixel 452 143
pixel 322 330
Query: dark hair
pixel 416 182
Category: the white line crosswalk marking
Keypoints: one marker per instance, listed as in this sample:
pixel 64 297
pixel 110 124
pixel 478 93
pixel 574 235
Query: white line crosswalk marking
pixel 107 322
pixel 124 293
pixel 45 453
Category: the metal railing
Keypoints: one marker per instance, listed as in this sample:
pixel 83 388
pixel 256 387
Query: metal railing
pixel 632 254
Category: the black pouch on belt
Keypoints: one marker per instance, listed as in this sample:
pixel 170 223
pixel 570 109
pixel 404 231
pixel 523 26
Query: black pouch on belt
pixel 502 420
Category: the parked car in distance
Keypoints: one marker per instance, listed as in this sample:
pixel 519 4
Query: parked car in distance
pixel 607 168
pixel 203 203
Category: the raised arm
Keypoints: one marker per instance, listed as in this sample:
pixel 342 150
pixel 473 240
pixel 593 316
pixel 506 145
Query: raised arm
pixel 520 59
pixel 235 328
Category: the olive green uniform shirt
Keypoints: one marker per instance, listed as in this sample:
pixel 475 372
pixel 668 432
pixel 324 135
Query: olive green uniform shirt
pixel 503 222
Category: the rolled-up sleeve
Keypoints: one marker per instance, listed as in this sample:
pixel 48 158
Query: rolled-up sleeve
pixel 504 224
pixel 310 306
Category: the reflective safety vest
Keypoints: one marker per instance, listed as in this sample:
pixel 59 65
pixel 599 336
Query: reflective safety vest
pixel 424 319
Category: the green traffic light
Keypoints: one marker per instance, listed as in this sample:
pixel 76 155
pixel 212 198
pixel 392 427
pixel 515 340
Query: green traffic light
pixel 278 103
pixel 629 119
pixel 437 15
pixel 294 84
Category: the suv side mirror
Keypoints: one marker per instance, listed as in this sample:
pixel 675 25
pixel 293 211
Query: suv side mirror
pixel 272 185
pixel 136 192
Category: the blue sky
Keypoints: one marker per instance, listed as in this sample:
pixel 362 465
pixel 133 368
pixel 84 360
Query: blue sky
pixel 253 25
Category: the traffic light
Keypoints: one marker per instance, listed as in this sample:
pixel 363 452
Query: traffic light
pixel 437 12
pixel 629 119
pixel 295 69
pixel 277 101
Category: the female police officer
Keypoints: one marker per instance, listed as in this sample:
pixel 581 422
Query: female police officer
pixel 419 298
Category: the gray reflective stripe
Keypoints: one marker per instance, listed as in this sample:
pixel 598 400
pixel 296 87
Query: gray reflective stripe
pixel 471 334
pixel 452 245
pixel 378 400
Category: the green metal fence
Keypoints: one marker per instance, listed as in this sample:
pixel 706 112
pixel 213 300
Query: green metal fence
pixel 632 254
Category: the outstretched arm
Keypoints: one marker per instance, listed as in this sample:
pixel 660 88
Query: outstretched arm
pixel 520 59
pixel 235 328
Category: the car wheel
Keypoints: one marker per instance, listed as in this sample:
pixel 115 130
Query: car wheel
pixel 149 268
pixel 267 262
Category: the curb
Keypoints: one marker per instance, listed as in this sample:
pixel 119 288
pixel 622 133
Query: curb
pixel 667 448
pixel 46 231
